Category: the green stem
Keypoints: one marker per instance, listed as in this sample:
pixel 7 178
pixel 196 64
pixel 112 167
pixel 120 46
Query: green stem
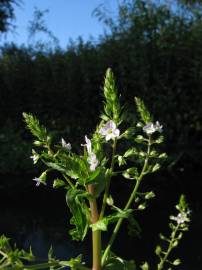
pixel 130 200
pixel 41 265
pixel 69 181
pixel 106 193
pixel 96 235
pixel 170 247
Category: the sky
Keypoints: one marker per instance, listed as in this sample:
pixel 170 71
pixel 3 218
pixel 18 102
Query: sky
pixel 66 19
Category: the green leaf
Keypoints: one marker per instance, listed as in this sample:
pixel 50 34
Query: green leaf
pixel 134 228
pixel 72 166
pixel 100 182
pixel 93 175
pixel 144 113
pixel 103 223
pixel 75 200
pixel 117 263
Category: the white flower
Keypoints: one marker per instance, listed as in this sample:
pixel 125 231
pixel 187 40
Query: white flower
pixel 93 161
pixel 158 127
pixel 87 144
pixel 35 157
pixel 39 181
pixel 109 130
pixel 66 145
pixel 181 217
pixel 150 128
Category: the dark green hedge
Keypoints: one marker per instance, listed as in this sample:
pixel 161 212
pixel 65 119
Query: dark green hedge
pixel 154 55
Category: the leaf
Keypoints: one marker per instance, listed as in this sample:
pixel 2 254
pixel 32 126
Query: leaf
pixel 72 166
pixel 117 263
pixel 103 223
pixel 100 182
pixel 134 228
pixel 93 175
pixel 75 201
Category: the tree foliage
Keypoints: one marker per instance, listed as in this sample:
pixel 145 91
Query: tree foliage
pixel 156 54
pixel 7 14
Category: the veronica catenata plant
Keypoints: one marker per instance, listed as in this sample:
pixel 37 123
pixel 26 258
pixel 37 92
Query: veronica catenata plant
pixel 116 149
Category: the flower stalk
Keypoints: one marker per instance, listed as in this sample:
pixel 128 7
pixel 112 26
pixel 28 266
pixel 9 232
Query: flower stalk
pixel 128 204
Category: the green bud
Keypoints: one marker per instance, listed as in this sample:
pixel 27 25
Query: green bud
pixel 121 160
pixel 38 143
pixel 110 200
pixel 163 155
pixel 177 262
pixel 156 167
pixel 158 250
pixel 130 152
pixel 58 183
pixel 141 207
pixel 149 195
pixel 145 266
pixel 129 133
pixel 175 243
pixel 43 176
pixel 140 139
pixel 159 140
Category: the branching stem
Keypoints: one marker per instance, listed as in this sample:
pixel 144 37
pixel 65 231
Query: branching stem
pixel 130 200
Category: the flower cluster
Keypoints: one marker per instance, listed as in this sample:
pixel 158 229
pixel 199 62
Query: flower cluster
pixel 150 128
pixel 109 131
pixel 92 159
pixel 181 218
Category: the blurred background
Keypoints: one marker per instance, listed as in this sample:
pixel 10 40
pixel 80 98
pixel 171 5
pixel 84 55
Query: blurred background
pixel 53 57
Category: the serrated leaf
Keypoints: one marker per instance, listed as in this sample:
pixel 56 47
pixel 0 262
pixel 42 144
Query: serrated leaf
pixel 75 201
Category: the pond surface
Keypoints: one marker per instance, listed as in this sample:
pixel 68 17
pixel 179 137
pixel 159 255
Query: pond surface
pixel 38 217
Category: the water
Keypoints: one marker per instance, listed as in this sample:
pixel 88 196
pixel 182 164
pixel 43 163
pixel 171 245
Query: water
pixel 38 217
